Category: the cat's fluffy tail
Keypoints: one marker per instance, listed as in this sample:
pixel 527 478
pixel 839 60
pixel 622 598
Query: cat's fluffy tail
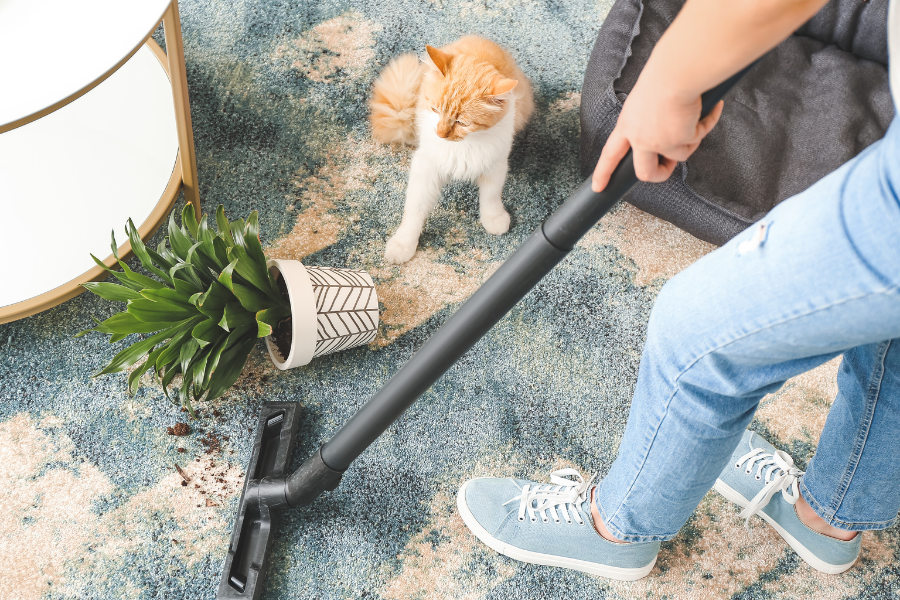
pixel 394 97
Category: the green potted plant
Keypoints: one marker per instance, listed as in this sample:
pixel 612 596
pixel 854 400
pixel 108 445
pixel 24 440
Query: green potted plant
pixel 213 296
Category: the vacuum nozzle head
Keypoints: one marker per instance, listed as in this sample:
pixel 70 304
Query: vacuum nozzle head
pixel 244 570
pixel 268 487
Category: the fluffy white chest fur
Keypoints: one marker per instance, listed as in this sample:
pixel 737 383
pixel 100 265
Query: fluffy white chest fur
pixel 481 156
pixel 471 156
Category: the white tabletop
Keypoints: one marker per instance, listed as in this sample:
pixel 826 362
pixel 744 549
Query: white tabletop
pixel 51 49
pixel 71 177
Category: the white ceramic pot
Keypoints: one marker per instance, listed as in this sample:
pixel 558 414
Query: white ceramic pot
pixel 331 309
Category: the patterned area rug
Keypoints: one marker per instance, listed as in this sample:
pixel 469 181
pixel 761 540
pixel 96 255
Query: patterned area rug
pixel 93 506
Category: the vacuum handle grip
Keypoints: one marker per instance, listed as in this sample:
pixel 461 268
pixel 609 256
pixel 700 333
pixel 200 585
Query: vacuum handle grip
pixel 586 207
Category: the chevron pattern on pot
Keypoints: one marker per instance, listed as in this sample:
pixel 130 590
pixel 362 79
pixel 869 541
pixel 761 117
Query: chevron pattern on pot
pixel 346 308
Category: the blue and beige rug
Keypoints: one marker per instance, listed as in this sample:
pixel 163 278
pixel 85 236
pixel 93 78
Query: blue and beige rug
pixel 92 505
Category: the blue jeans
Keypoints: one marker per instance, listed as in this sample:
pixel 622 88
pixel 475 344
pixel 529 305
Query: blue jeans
pixel 821 280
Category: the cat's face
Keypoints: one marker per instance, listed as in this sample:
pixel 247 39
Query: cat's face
pixel 465 95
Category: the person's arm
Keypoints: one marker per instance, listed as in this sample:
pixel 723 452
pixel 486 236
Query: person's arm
pixel 709 41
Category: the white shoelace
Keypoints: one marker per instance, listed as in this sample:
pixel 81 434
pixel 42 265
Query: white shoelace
pixel 562 497
pixel 779 473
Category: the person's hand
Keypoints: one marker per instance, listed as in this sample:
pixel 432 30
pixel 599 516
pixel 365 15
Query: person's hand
pixel 660 125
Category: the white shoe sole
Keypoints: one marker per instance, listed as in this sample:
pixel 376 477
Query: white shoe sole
pixel 527 556
pixel 811 559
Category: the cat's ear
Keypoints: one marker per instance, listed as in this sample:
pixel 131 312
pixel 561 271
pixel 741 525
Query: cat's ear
pixel 439 60
pixel 502 87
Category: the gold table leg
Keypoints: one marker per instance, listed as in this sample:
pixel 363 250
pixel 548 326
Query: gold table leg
pixel 178 77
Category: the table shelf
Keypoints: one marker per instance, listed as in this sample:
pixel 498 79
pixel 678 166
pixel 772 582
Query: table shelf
pixel 71 177
pixel 42 70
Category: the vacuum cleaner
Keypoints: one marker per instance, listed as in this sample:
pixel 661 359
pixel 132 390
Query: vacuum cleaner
pixel 269 487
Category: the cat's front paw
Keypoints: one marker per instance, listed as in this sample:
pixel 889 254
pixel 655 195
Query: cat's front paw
pixel 399 250
pixel 496 224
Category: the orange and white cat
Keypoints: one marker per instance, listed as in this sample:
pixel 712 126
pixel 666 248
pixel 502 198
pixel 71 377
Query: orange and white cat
pixel 462 107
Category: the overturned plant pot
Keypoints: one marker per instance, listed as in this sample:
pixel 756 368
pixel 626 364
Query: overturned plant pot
pixel 331 309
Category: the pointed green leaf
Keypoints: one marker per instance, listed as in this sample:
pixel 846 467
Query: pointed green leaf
pixel 267 320
pixel 121 276
pixel 237 232
pixel 137 246
pixel 225 277
pixel 212 258
pixel 251 299
pixel 129 278
pixel 229 369
pixel 235 315
pixel 215 298
pixel 195 270
pixel 167 378
pixel 163 250
pixel 87 331
pixel 199 256
pixel 187 272
pixel 186 354
pixel 193 369
pixel 264 329
pixel 126 323
pixel 221 250
pixel 198 370
pixel 145 281
pixel 113 245
pixel 239 335
pixel 257 275
pixel 184 396
pixel 215 353
pixel 207 332
pixel 161 260
pixel 111 291
pixel 189 219
pixel 251 239
pixel 135 352
pixel 223 226
pixel 172 351
pixel 204 233
pixel 186 288
pixel 102 265
pixel 180 242
pixel 134 379
pixel 164 362
pixel 213 313
pixel 167 295
pixel 149 311
pixel 216 316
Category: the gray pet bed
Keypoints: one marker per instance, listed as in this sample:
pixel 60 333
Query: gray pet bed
pixel 808 106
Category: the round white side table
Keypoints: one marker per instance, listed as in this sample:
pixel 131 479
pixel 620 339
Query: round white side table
pixel 91 134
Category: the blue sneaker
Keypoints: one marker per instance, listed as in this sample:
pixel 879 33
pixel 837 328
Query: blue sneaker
pixel 549 524
pixel 757 472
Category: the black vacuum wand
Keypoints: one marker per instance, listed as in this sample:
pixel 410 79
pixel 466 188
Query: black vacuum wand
pixel 268 486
